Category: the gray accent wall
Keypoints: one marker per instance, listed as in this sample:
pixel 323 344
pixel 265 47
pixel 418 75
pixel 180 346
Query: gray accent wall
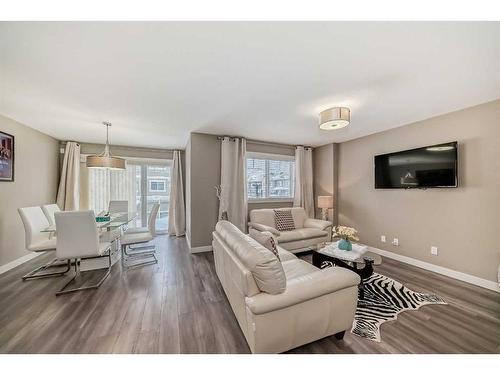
pixel 203 174
pixel 36 181
pixel 462 222
pixel 325 164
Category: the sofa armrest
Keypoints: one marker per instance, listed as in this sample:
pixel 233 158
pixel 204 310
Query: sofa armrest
pixel 319 224
pixel 264 228
pixel 304 288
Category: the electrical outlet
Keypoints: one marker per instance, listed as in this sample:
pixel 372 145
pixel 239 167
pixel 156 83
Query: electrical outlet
pixel 395 242
pixel 434 250
pixel 382 238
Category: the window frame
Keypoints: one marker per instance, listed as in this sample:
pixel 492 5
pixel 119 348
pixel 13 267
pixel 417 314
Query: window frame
pixel 269 156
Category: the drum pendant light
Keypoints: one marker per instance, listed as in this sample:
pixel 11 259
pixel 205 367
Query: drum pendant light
pixel 105 159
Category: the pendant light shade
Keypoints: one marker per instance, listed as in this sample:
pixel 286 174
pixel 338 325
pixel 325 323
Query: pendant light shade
pixel 105 160
pixel 334 118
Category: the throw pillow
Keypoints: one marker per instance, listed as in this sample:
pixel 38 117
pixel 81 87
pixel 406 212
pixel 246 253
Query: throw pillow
pixel 267 240
pixel 284 220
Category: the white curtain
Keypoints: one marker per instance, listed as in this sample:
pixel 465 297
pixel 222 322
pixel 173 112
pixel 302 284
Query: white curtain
pixel 68 194
pixel 233 181
pixel 106 185
pixel 303 196
pixel 176 211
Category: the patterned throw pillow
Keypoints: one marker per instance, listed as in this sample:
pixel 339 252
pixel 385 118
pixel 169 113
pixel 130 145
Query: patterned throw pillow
pixel 284 220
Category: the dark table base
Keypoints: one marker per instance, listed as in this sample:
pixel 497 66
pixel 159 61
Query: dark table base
pixel 322 261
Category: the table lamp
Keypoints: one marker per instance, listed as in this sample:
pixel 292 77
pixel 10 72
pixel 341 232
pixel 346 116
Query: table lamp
pixel 325 202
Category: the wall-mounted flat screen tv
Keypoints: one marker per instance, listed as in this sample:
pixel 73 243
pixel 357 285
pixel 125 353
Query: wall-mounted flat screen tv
pixel 426 167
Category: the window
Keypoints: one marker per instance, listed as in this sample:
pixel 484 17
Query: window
pixel 269 176
pixel 142 184
pixel 157 185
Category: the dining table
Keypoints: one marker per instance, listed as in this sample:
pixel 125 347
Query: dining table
pixel 111 232
pixel 116 220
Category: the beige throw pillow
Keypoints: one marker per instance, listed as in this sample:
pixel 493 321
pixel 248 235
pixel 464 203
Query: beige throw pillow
pixel 267 240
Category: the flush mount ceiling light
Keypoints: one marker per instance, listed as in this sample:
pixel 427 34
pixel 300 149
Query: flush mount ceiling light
pixel 105 160
pixel 334 118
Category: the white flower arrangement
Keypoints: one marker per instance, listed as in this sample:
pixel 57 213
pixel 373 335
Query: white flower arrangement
pixel 346 233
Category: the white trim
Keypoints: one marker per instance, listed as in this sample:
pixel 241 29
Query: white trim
pixel 270 200
pixel 18 262
pixel 487 284
pixel 200 249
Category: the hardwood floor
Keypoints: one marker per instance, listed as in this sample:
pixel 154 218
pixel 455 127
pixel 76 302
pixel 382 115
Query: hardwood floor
pixel 178 306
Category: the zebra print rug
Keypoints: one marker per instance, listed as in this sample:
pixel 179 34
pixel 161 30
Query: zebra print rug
pixel 384 299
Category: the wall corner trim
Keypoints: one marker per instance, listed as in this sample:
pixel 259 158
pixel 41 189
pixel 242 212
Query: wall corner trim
pixel 200 249
pixel 17 262
pixel 474 280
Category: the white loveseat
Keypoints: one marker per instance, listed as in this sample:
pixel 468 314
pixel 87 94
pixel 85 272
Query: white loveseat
pixel 308 232
pixel 283 304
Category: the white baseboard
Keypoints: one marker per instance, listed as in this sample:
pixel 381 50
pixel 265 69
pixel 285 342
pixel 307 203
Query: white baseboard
pixel 488 284
pixel 18 262
pixel 200 249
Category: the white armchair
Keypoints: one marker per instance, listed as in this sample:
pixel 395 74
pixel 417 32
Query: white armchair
pixel 49 210
pixel 117 207
pixel 140 236
pixel 35 222
pixel 307 233
pixel 78 238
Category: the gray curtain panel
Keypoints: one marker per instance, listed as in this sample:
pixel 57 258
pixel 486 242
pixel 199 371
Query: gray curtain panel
pixel 176 211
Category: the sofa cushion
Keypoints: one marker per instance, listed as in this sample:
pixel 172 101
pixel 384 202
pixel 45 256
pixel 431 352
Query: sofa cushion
pixel 297 268
pixel 266 216
pixel 301 234
pixel 284 220
pixel 267 240
pixel 263 264
pixel 263 216
pixel 285 254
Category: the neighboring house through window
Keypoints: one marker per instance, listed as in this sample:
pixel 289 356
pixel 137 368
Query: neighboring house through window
pixel 269 176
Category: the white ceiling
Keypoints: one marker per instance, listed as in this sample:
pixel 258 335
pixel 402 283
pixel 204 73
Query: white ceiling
pixel 159 81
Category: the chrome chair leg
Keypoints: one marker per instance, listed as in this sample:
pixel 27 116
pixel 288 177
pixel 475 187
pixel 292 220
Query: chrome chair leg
pixel 131 256
pixel 63 290
pixel 139 253
pixel 142 247
pixel 33 274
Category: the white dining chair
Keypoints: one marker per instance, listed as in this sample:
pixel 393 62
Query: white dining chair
pixel 134 238
pixel 49 210
pixel 117 207
pixel 34 222
pixel 78 238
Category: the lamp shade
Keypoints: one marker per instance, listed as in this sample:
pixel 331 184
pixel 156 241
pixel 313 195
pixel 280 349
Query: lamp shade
pixel 105 159
pixel 325 201
pixel 98 161
pixel 334 118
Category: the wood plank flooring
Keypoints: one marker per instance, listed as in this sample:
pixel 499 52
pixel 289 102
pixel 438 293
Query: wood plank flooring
pixel 178 306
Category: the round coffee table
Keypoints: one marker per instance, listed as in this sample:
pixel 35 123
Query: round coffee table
pixel 362 265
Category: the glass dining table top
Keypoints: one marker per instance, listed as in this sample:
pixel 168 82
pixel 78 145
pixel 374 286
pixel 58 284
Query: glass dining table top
pixel 116 220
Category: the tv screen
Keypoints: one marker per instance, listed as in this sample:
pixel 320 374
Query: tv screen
pixel 426 167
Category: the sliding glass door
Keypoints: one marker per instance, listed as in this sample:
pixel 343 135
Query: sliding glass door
pixel 142 184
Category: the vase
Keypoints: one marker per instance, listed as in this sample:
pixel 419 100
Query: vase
pixel 345 245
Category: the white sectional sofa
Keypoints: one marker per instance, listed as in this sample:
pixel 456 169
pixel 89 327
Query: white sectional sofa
pixel 281 304
pixel 307 233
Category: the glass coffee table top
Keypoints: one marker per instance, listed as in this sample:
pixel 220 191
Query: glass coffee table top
pixel 374 258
